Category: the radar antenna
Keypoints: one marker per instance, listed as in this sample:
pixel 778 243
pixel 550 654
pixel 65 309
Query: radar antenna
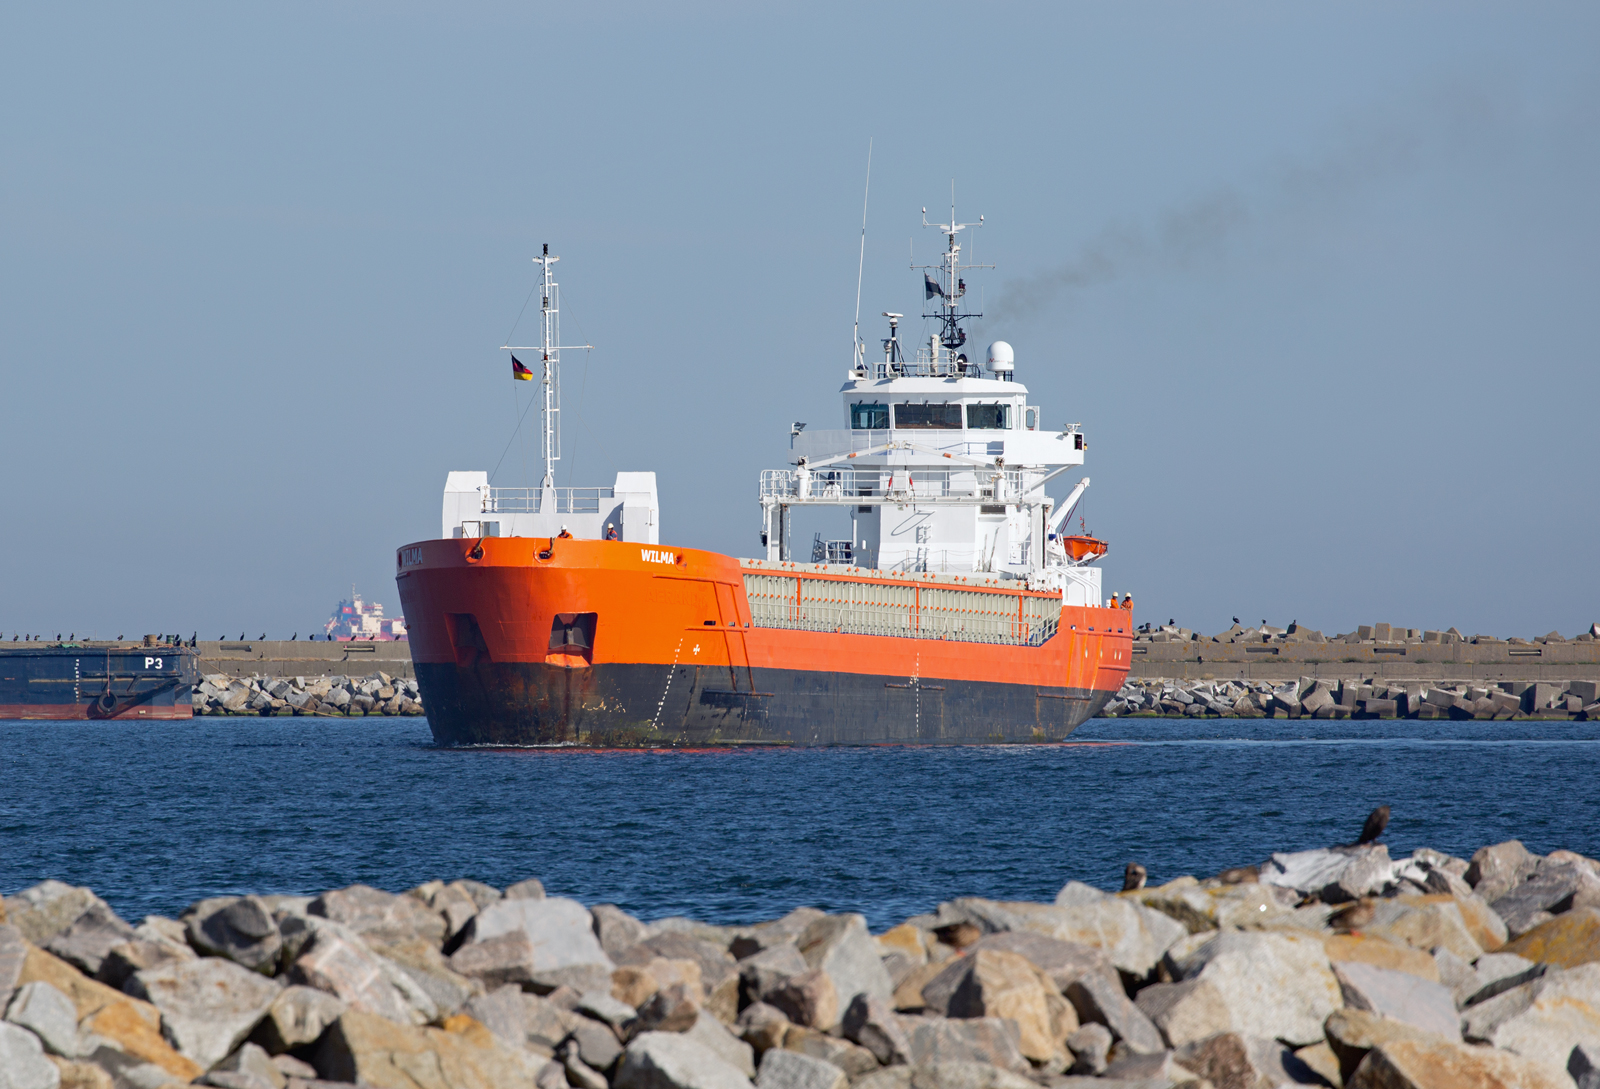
pixel 948 285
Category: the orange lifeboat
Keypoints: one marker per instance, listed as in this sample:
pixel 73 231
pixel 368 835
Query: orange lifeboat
pixel 1080 548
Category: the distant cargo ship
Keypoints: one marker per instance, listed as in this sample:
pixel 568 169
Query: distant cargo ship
pixel 97 680
pixel 358 619
pixel 959 611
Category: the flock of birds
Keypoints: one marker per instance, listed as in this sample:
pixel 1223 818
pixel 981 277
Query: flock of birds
pixel 165 640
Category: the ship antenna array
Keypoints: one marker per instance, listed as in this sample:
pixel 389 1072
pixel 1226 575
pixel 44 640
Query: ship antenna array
pixel 949 285
pixel 549 350
pixel 860 346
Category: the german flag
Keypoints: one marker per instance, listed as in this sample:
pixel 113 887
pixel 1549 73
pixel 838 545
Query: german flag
pixel 519 372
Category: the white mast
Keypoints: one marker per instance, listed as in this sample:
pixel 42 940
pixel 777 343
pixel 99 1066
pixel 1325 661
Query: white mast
pixel 550 414
pixel 549 350
pixel 950 288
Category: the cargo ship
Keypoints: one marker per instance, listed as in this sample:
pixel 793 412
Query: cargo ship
pixel 356 619
pixel 960 610
pixel 153 680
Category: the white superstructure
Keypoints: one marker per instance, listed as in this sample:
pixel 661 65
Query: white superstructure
pixel 943 463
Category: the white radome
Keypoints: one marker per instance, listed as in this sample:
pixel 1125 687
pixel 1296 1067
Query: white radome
pixel 1002 360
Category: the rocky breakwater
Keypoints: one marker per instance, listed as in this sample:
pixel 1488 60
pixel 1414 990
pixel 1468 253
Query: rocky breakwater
pixel 1312 697
pixel 1370 634
pixel 375 694
pixel 1335 967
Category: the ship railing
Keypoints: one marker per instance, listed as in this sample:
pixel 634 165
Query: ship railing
pixel 826 444
pixel 905 623
pixel 549 500
pixel 923 367
pixel 843 486
pixel 817 445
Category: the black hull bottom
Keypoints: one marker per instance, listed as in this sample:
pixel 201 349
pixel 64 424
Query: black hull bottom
pixel 621 706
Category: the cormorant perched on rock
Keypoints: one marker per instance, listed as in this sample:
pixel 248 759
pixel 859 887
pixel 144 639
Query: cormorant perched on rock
pixel 263 635
pixel 1236 620
pixel 1377 821
pixel 1133 877
pixel 293 637
pixel 241 637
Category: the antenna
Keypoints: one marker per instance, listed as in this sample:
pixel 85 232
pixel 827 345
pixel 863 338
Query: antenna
pixel 550 349
pixel 861 264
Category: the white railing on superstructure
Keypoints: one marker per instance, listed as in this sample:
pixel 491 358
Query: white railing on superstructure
pixel 547 500
pixel 817 445
pixel 896 485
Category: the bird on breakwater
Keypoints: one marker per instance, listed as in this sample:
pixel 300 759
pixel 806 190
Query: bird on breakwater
pixel 1133 877
pixel 293 637
pixel 1236 620
pixel 119 635
pixel 1377 821
pixel 241 637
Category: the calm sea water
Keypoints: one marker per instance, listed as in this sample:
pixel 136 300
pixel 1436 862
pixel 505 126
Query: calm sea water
pixel 156 815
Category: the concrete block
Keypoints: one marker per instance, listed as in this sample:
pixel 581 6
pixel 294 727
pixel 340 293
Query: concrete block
pixel 1587 691
pixel 1539 696
pixel 1364 631
pixel 1380 708
pixel 1383 633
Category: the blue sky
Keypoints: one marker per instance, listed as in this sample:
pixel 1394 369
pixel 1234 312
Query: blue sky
pixel 1319 281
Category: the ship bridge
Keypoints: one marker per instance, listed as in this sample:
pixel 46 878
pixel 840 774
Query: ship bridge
pixel 942 465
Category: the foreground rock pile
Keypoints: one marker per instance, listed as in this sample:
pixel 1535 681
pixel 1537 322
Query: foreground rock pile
pixel 374 694
pixel 1336 967
pixel 1311 697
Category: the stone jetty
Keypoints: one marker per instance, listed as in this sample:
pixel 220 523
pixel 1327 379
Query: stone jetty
pixel 1333 966
pixel 1312 697
pixel 1366 634
pixel 375 694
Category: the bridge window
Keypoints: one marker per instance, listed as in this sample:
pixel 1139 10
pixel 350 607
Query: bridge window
pixel 869 417
pixel 927 417
pixel 989 417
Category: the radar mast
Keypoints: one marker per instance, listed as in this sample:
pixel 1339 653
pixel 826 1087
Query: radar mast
pixel 945 282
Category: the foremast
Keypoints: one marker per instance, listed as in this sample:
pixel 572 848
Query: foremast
pixel 549 349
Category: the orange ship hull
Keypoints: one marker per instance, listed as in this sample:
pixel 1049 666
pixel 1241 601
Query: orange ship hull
pixel 533 641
